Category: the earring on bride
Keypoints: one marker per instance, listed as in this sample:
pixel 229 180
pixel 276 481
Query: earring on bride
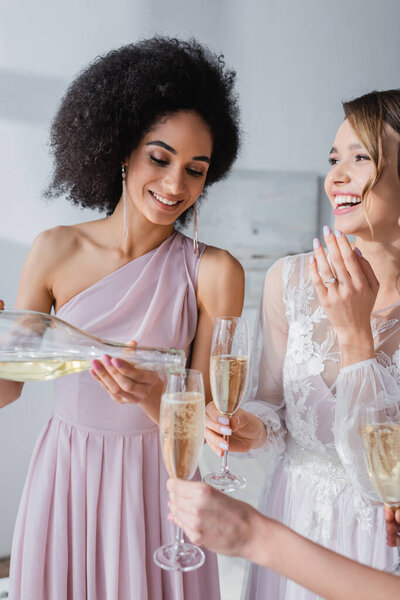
pixel 195 234
pixel 123 171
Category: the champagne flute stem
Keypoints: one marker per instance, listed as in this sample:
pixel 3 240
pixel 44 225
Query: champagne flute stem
pixel 224 461
pixel 178 538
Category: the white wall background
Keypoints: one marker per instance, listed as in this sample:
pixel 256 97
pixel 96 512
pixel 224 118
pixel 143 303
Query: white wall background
pixel 295 60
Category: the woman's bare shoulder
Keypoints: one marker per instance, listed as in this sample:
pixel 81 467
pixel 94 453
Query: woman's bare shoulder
pixel 52 249
pixel 47 253
pixel 220 279
pixel 217 261
pixel 59 243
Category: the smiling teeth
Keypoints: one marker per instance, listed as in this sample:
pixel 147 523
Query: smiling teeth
pixel 164 200
pixel 347 200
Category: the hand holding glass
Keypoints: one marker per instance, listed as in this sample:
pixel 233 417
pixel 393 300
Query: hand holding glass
pixel 381 440
pixel 229 363
pixel 181 438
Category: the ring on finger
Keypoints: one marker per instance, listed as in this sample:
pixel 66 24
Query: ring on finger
pixel 331 280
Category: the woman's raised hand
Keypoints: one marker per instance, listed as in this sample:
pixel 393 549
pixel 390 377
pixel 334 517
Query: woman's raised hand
pixel 347 288
pixel 245 431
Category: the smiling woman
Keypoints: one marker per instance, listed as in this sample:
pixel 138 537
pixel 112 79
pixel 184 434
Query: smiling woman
pixel 137 137
pixel 328 342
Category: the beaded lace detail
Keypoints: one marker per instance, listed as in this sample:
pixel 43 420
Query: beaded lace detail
pixel 305 357
pixel 312 352
pixel 328 479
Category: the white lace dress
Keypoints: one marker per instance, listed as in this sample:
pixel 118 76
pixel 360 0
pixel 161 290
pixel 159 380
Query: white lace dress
pixel 298 391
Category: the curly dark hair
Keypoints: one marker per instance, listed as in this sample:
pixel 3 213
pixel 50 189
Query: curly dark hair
pixel 110 106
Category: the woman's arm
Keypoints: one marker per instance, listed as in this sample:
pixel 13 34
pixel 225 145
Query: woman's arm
pixel 220 292
pixel 34 293
pixel 257 425
pixel 348 302
pixel 229 526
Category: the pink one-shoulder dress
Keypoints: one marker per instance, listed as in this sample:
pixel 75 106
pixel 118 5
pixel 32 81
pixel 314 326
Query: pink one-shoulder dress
pixel 94 506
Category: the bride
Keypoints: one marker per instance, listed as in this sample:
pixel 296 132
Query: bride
pixel 327 329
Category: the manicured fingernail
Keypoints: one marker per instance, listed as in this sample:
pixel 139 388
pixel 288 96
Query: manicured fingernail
pixel 326 230
pixel 316 243
pixel 96 365
pixel 358 251
pixel 338 233
pixel 311 259
pixel 225 430
pixel 116 362
pixel 223 420
pixel 223 445
pixel 106 359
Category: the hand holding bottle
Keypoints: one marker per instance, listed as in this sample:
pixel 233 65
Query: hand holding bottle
pixel 128 384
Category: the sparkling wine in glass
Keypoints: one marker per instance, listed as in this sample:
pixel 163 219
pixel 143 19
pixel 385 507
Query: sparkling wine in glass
pixel 381 440
pixel 229 363
pixel 182 438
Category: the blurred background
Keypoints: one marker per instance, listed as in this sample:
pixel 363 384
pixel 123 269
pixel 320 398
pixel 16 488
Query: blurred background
pixel 295 62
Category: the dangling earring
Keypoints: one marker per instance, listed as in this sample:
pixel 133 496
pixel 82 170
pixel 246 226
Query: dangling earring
pixel 195 234
pixel 124 200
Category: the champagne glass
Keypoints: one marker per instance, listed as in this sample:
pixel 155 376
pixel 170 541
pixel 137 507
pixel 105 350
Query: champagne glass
pixel 381 440
pixel 229 364
pixel 182 438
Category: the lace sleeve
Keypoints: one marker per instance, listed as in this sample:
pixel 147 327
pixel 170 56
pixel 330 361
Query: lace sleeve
pixel 265 394
pixel 358 386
